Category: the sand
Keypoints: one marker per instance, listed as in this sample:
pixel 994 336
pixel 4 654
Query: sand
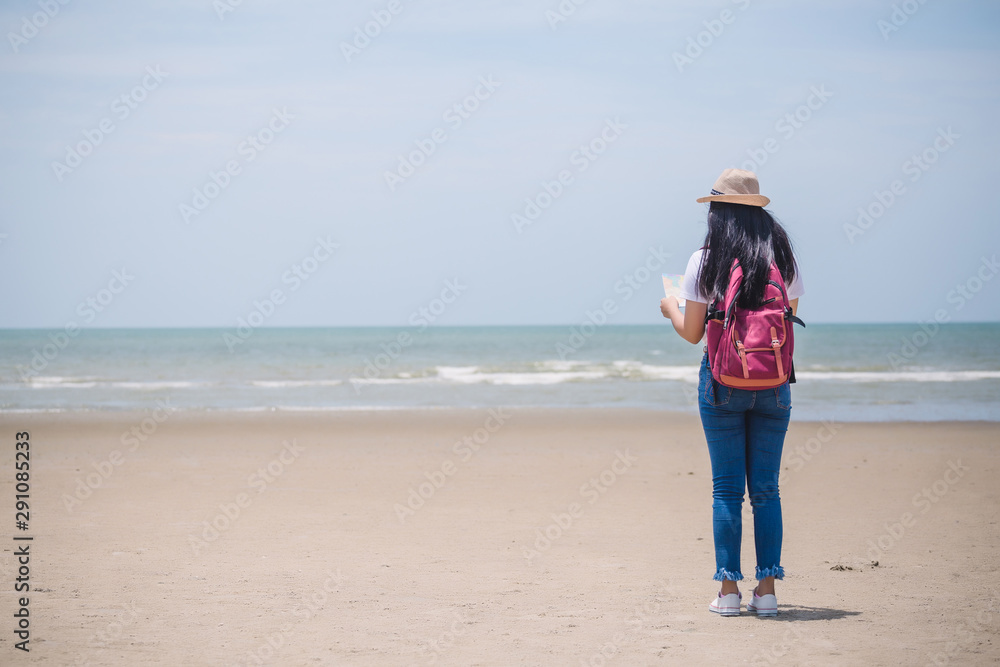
pixel 568 537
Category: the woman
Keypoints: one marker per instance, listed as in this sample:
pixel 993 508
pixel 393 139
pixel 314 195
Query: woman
pixel 745 429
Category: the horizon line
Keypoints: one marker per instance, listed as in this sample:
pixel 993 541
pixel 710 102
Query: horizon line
pixel 453 326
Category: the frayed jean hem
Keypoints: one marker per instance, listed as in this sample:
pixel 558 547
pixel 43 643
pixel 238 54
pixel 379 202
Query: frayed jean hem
pixel 724 574
pixel 777 572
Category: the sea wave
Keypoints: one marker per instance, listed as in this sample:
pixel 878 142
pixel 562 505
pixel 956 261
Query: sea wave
pixel 641 371
pixel 473 375
pixel 899 376
pixel 59 382
pixel 637 371
pixel 549 372
pixel 152 386
pixel 281 384
pixel 49 381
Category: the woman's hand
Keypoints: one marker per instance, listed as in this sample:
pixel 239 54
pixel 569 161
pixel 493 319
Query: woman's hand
pixel 691 323
pixel 669 305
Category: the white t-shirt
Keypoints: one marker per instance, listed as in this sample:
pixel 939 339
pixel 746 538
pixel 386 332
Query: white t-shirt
pixel 692 292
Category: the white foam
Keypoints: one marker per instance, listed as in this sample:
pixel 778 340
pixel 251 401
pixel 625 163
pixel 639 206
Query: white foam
pixel 151 386
pixel 561 365
pixel 280 384
pixel 681 373
pixel 541 378
pixel 471 375
pixel 626 365
pixel 458 373
pixel 356 408
pixel 54 381
pixel 899 376
pixel 397 380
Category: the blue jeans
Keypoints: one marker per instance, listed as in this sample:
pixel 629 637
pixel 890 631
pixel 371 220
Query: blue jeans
pixel 745 431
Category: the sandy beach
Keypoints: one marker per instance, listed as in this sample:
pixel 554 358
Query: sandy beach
pixel 475 537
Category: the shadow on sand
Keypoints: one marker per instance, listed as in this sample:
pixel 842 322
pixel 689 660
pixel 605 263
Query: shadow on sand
pixel 794 612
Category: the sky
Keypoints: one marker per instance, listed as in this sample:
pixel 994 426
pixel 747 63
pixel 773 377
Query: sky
pixel 192 163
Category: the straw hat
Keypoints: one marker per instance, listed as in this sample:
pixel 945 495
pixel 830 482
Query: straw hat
pixel 737 186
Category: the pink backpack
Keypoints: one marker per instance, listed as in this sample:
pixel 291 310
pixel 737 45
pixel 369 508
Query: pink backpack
pixel 751 349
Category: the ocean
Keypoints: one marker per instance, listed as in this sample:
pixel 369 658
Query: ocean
pixel 845 372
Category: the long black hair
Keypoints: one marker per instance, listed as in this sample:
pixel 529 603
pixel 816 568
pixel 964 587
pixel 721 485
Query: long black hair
pixel 751 235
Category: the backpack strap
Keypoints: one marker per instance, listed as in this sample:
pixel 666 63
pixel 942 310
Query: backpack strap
pixel 790 317
pixel 713 312
pixel 784 295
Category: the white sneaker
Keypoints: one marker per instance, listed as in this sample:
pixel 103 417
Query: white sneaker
pixel 726 605
pixel 762 605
